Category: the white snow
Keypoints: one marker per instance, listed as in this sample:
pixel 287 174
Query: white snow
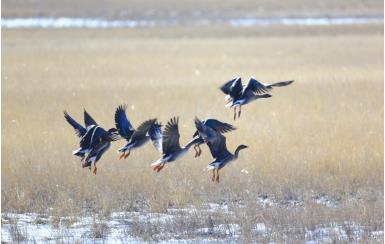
pixel 118 227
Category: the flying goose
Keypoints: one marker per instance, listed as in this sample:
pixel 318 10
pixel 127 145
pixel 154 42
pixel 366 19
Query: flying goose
pixel 93 139
pixel 238 94
pixel 216 125
pixel 100 146
pixel 167 143
pixel 135 138
pixel 217 145
pixel 85 133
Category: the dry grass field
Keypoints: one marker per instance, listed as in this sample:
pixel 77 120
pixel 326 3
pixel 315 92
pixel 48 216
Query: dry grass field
pixel 315 148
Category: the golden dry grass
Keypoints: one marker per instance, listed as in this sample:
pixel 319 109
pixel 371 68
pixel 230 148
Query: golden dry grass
pixel 323 135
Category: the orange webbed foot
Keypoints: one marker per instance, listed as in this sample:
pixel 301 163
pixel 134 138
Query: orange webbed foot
pixel 121 156
pixel 156 167
pixel 126 155
pixel 160 168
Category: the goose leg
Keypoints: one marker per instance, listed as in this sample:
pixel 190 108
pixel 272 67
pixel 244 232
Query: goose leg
pixel 82 159
pixel 200 150
pixel 213 177
pixel 95 169
pixel 156 167
pixel 217 179
pixel 235 113
pixel 196 151
pixel 239 112
pixel 122 155
pixel 127 154
pixel 161 167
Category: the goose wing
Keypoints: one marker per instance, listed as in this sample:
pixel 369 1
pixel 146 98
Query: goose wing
pixel 123 125
pixel 279 84
pixel 79 130
pixel 88 120
pixel 233 88
pixel 143 129
pixel 171 136
pixel 219 126
pixel 218 147
pixel 99 135
pixel 85 141
pixel 205 132
pixel 155 133
pixel 256 87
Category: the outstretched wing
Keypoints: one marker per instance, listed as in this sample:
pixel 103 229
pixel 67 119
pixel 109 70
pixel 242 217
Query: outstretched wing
pixel 122 123
pixel 85 141
pixel 112 135
pixel 171 136
pixel 207 133
pixel 88 120
pixel 281 83
pixel 143 129
pixel 79 130
pixel 218 147
pixel 256 87
pixel 155 133
pixel 233 88
pixel 219 126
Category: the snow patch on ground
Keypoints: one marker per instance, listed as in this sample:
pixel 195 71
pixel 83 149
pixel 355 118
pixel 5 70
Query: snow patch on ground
pixel 123 227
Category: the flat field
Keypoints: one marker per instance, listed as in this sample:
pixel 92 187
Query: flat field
pixel 315 156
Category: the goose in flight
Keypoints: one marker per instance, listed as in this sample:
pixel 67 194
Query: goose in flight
pixel 214 124
pixel 100 146
pixel 135 138
pixel 167 143
pixel 238 94
pixel 91 139
pixel 217 145
pixel 85 133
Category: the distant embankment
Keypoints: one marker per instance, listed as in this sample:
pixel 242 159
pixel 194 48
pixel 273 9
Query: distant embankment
pixel 65 22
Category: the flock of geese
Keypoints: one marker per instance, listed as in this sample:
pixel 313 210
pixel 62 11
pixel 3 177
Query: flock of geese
pixel 95 141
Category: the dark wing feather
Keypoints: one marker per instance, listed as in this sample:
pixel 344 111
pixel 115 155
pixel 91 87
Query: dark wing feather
pixel 236 89
pixel 282 83
pixel 112 135
pixel 226 88
pixel 218 147
pixel 171 136
pixel 205 132
pixel 88 120
pixel 122 123
pixel 97 136
pixel 233 88
pixel 256 87
pixel 79 130
pixel 85 141
pixel 143 129
pixel 219 126
pixel 101 135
